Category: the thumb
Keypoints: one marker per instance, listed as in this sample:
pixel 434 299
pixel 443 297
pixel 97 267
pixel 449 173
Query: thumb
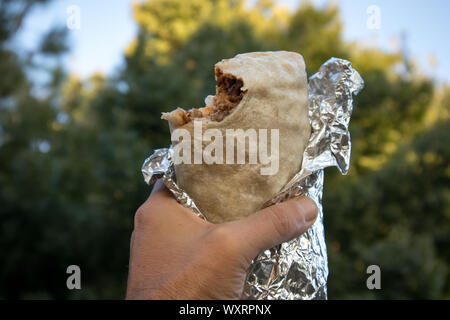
pixel 276 224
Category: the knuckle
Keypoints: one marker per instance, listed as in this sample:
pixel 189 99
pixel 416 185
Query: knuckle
pixel 142 216
pixel 222 240
pixel 220 235
pixel 282 221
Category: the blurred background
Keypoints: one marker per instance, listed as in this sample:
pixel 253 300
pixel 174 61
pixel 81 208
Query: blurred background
pixel 82 87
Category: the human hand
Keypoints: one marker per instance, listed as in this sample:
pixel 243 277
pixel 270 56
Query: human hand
pixel 176 255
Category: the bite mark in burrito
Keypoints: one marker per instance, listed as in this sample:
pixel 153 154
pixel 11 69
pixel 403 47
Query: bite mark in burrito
pixel 260 91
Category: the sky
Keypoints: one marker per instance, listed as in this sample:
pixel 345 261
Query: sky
pixel 107 27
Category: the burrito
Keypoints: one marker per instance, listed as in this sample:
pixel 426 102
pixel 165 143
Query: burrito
pixel 247 142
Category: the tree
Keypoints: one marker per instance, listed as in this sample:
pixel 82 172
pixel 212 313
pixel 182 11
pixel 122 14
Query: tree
pixel 69 171
pixel 71 149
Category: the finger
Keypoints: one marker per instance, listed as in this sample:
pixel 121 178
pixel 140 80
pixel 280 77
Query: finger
pixel 159 192
pixel 160 197
pixel 131 241
pixel 159 186
pixel 163 201
pixel 276 224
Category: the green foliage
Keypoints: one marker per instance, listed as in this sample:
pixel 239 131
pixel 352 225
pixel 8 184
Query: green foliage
pixel 71 149
pixel 397 218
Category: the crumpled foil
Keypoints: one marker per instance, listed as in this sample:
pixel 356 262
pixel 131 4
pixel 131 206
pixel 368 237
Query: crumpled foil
pixel 297 269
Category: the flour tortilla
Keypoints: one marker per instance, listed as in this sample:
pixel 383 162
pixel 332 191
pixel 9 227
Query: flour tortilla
pixel 274 96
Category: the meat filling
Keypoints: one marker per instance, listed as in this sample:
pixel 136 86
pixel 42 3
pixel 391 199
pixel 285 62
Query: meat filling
pixel 228 95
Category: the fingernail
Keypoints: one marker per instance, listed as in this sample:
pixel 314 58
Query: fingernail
pixel 159 184
pixel 309 208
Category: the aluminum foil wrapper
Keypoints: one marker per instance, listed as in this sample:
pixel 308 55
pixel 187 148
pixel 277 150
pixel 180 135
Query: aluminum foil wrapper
pixel 297 269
